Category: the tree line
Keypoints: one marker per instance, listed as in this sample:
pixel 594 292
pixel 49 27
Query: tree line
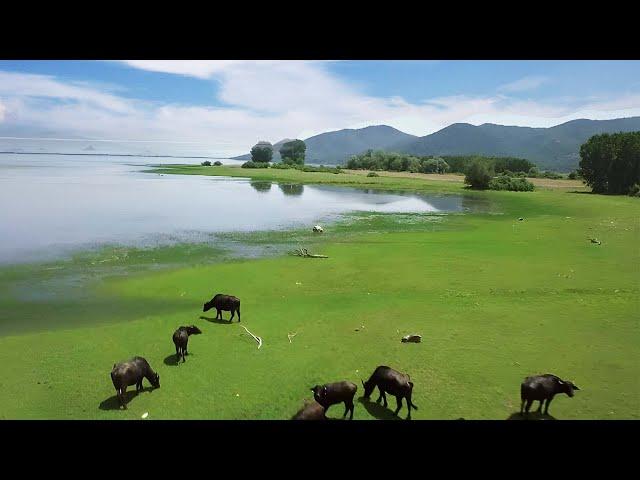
pixel 400 162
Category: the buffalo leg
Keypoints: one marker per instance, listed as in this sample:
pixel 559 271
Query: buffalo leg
pixel 399 403
pixel 346 410
pixel 522 406
pixel 219 314
pixel 238 310
pixel 123 394
pixel 177 353
pixel 233 314
pixel 351 407
pixel 540 406
pixel 528 406
pixel 546 407
pixel 384 398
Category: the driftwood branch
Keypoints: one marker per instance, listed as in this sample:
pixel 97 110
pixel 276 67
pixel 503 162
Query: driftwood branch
pixel 290 336
pixel 303 252
pixel 257 339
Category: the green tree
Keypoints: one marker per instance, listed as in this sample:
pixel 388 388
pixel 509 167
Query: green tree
pixel 610 163
pixel 262 152
pixel 293 152
pixel 478 175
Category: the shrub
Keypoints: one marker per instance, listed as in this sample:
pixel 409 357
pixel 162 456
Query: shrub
pixel 321 168
pixel 217 163
pixel 513 184
pixel 478 175
pixel 552 175
pixel 372 174
pixel 634 191
pixel 281 166
pixel 251 164
pixel 206 163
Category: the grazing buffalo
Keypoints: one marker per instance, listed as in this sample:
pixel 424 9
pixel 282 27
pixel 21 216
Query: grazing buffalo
pixel 221 302
pixel 181 338
pixel 332 393
pixel 311 411
pixel 390 381
pixel 543 388
pixel 132 373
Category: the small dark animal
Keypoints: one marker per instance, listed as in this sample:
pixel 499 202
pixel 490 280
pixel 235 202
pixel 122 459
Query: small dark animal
pixel 312 410
pixel 221 302
pixel 132 373
pixel 543 388
pixel 332 393
pixel 393 382
pixel 181 338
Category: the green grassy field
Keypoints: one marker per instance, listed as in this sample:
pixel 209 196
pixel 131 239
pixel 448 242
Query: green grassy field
pixel 494 298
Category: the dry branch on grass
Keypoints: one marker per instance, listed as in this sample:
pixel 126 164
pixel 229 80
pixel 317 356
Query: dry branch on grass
pixel 290 336
pixel 303 252
pixel 257 339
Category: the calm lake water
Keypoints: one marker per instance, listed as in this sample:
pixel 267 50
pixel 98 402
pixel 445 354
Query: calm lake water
pixel 52 205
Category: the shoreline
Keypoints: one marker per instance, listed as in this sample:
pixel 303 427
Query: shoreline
pixel 407 181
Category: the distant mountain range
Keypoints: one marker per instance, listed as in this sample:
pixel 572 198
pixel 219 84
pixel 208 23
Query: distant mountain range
pixel 554 148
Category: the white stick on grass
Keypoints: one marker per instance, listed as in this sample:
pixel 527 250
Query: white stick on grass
pixel 257 339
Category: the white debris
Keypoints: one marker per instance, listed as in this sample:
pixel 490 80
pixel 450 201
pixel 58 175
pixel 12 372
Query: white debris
pixel 318 229
pixel 145 414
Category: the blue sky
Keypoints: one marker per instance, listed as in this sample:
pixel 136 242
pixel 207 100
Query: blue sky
pixel 230 105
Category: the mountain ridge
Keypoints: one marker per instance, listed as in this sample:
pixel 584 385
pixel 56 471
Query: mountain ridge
pixel 553 148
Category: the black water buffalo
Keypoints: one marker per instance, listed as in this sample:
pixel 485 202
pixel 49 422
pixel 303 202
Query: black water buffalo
pixel 312 410
pixel 543 388
pixel 393 382
pixel 332 393
pixel 181 339
pixel 221 302
pixel 132 373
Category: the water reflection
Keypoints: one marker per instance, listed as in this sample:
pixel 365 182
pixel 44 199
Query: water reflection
pixel 57 206
pixel 259 186
pixel 291 189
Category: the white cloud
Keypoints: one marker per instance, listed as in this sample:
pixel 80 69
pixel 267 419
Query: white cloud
pixel 266 100
pixel 527 83
pixel 42 86
pixel 191 68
